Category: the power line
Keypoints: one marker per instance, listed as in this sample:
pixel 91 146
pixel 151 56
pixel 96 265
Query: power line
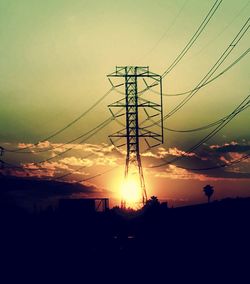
pixel 198 128
pixel 213 69
pixel 190 43
pixel 243 9
pixel 71 173
pixel 243 105
pixel 222 125
pixel 66 143
pixel 194 37
pixel 209 81
pixel 245 157
pixel 228 164
pixel 237 110
pixel 66 126
pixel 97 175
pixel 76 170
pixel 210 135
pixel 205 126
pixel 166 31
pixel 101 126
pixel 58 132
pixel 206 82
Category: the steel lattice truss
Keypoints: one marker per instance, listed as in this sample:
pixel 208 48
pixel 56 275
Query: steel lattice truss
pixel 137 82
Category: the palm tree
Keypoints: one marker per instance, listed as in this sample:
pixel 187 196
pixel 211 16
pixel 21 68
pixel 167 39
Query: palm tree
pixel 153 201
pixel 208 190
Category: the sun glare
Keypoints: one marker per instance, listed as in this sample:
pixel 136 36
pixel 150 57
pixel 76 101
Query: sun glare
pixel 131 193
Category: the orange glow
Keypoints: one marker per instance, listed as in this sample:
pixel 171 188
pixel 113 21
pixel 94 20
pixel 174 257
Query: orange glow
pixel 131 192
pixel 127 190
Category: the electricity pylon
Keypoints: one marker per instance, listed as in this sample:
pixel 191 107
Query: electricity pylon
pixel 138 82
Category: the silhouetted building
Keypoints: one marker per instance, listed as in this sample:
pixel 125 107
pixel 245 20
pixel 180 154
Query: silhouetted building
pixel 83 206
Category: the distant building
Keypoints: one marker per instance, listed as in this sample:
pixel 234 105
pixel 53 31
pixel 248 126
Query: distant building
pixel 83 206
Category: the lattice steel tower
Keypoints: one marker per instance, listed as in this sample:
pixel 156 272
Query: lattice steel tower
pixel 137 123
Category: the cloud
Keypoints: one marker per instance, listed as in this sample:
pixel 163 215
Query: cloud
pixel 28 191
pixel 46 169
pixel 84 160
pixel 38 173
pixel 175 172
pixel 106 161
pixel 231 147
pixel 183 164
pixel 98 149
pixel 93 158
pixel 150 154
pixel 162 152
pixel 74 161
pixel 25 145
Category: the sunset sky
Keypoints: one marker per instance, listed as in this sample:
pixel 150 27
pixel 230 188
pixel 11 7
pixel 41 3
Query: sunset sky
pixel 55 56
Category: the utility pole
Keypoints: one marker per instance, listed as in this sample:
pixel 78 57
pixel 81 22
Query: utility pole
pixel 139 112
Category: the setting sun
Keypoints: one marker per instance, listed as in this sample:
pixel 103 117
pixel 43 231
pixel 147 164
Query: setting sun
pixel 131 192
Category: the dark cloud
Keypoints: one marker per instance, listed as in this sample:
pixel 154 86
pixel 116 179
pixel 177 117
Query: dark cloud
pixel 200 165
pixel 228 174
pixel 233 148
pixel 27 191
pixel 43 187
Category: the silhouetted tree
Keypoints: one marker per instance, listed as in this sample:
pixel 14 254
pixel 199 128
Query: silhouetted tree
pixel 152 204
pixel 208 190
pixel 153 201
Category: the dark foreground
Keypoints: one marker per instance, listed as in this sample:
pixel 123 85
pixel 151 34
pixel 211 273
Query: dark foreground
pixel 204 243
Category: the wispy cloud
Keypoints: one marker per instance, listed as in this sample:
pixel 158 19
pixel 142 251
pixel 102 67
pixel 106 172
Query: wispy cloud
pixel 74 161
pixel 174 152
pixel 174 172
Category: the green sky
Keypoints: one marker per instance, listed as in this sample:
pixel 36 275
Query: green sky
pixel 55 55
